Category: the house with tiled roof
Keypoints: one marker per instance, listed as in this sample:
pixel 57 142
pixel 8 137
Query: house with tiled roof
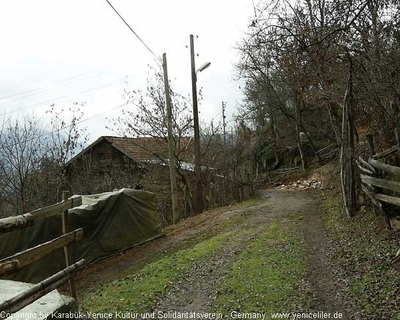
pixel 113 162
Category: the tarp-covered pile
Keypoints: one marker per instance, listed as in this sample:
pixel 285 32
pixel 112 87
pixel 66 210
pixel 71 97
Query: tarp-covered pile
pixel 111 222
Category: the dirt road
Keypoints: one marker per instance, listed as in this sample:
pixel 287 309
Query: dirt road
pixel 196 290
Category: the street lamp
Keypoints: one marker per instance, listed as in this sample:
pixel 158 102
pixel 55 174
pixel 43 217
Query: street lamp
pixel 199 203
pixel 203 67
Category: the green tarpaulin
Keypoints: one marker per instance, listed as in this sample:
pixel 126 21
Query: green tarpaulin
pixel 111 222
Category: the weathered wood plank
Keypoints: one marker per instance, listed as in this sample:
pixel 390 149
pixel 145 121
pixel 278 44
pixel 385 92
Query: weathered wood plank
pixel 382 183
pixel 27 297
pixel 371 195
pixel 33 254
pixel 385 153
pixel 362 168
pixel 366 165
pixel 384 167
pixel 57 208
pixel 388 199
pixel 14 223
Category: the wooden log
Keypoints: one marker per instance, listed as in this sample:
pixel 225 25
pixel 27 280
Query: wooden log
pixel 382 183
pixel 388 199
pixel 8 266
pixel 14 223
pixel 32 294
pixel 366 165
pixel 371 195
pixel 57 208
pixel 385 153
pixel 362 168
pixel 33 254
pixel 384 167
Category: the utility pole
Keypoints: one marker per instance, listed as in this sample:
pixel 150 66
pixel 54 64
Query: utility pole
pixel 171 145
pixel 224 123
pixel 199 205
pixel 224 154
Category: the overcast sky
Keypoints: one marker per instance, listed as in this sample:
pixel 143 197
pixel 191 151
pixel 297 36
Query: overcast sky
pixel 65 51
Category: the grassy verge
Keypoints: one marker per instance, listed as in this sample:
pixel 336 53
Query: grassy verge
pixel 267 275
pixel 251 202
pixel 364 250
pixel 139 291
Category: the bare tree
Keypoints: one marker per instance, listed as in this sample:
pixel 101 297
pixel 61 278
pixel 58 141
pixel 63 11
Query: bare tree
pixel 21 152
pixel 295 61
pixel 32 159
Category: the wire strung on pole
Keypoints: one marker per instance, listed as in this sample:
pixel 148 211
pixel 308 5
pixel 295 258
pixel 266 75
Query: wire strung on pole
pixel 158 59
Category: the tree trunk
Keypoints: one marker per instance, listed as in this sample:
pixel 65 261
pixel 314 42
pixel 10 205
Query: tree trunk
pixel 333 117
pixel 346 154
pixel 297 128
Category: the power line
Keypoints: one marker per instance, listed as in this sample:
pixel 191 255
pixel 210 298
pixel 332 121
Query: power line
pixel 61 97
pixel 32 92
pixel 216 115
pixel 65 127
pixel 137 36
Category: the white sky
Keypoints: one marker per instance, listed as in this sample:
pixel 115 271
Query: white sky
pixel 80 51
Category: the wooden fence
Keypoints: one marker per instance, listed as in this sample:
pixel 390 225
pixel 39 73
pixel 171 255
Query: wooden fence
pixel 26 257
pixel 328 153
pixel 373 182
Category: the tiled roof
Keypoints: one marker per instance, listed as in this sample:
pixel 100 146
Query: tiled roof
pixel 140 149
pixel 145 148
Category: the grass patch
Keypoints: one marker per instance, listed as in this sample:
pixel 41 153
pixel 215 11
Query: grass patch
pixel 267 275
pixel 364 249
pixel 251 202
pixel 224 227
pixel 139 291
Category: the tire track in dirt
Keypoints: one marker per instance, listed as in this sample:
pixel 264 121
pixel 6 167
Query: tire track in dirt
pixel 195 291
pixel 328 287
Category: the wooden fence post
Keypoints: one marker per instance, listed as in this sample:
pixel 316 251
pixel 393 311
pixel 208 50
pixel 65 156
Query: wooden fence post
pixel 397 135
pixel 371 147
pixel 65 230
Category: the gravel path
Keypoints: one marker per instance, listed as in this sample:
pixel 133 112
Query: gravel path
pixel 195 291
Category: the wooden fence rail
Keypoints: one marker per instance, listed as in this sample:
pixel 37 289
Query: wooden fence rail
pixel 26 257
pixel 21 259
pixel 328 152
pixel 42 288
pixel 384 167
pixel 382 183
pixel 372 182
pixel 25 220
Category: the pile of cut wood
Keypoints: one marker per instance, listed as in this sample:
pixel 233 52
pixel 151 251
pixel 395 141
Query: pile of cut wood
pixel 303 185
